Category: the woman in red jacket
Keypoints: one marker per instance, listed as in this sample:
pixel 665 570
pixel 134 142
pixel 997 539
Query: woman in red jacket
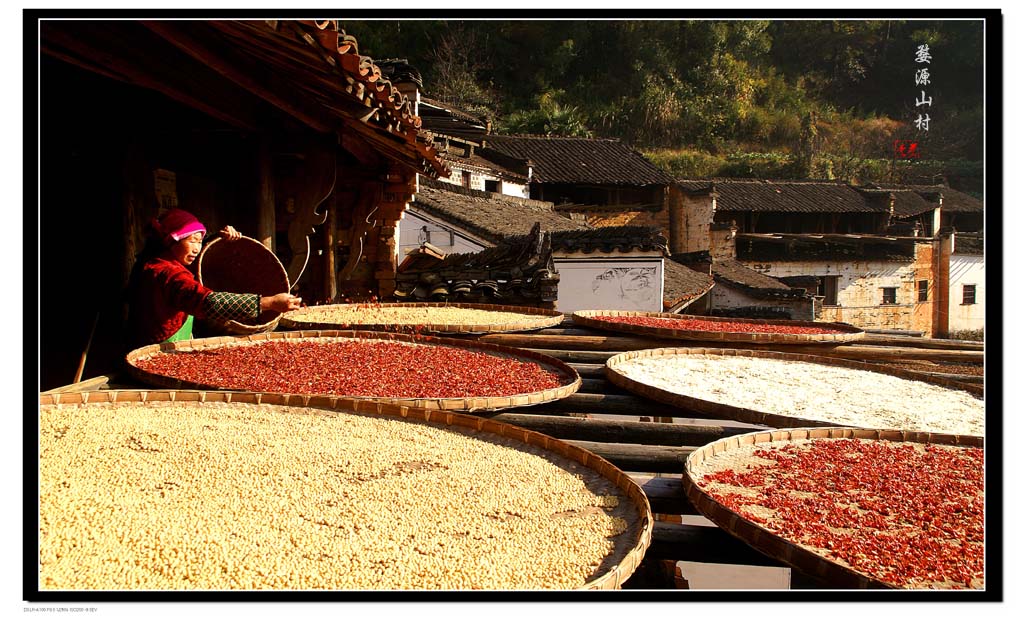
pixel 164 295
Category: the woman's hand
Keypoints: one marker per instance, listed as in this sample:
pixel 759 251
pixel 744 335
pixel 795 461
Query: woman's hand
pixel 229 233
pixel 282 302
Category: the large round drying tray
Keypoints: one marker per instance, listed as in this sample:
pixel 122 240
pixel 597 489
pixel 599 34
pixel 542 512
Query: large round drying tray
pixel 725 411
pixel 531 319
pixel 571 380
pixel 768 542
pixel 846 333
pixel 243 265
pixel 610 577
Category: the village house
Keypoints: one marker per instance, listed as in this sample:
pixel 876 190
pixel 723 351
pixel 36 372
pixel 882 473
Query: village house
pixel 501 186
pixel 620 267
pixel 876 257
pixel 278 128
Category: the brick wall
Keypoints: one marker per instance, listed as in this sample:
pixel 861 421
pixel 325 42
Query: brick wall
pixel 860 286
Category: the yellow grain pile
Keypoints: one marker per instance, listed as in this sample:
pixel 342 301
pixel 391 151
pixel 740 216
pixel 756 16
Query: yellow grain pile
pixel 232 496
pixel 385 315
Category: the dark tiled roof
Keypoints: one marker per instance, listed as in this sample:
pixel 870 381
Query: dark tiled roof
pixel 735 272
pixel 398 70
pixel 778 247
pixel 814 196
pixel 783 196
pixel 579 160
pixel 683 283
pixel 517 271
pixel 905 202
pixel 503 168
pixel 953 201
pixel 971 244
pixel 609 239
pixel 489 215
pixel 444 119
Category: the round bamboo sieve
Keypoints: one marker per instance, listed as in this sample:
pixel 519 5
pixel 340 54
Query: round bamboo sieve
pixel 611 574
pixel 774 545
pixel 571 380
pixel 849 333
pixel 533 318
pixel 725 411
pixel 244 266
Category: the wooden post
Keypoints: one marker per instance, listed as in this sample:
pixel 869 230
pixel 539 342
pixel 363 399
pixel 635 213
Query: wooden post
pixel 266 225
pixel 330 256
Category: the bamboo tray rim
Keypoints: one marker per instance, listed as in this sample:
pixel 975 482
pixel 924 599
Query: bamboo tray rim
pixel 747 415
pixel 482 403
pixel 545 319
pixel 774 545
pixel 611 578
pixel 234 326
pixel 849 333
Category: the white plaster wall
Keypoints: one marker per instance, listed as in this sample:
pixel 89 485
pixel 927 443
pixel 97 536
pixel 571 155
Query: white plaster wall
pixel 965 269
pixel 512 189
pixel 410 234
pixel 477 181
pixel 610 284
pixel 859 287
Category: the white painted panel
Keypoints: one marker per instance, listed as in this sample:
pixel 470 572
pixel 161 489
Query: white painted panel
pixel 965 269
pixel 411 234
pixel 636 285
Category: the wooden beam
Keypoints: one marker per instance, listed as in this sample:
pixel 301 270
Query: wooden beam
pixel 266 221
pixel 141 68
pixel 665 494
pixel 642 458
pixel 330 249
pixel 703 544
pixel 620 430
pixel 221 61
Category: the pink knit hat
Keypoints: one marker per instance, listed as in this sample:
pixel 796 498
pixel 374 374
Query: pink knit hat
pixel 177 224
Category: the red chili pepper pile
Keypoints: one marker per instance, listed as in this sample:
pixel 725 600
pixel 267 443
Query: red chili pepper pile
pixel 697 324
pixel 886 509
pixel 356 368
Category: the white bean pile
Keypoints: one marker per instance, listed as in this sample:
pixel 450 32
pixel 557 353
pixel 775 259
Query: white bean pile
pixel 819 392
pixel 229 496
pixel 384 315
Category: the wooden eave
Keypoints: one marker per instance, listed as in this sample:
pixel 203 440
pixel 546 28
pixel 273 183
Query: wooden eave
pixel 308 70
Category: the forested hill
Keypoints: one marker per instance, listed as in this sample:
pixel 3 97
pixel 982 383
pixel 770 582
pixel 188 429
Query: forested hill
pixel 822 99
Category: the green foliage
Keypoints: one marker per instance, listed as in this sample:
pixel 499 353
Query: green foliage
pixel 548 118
pixel 830 96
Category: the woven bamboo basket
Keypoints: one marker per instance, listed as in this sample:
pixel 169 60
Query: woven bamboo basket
pixel 630 549
pixel 245 266
pixel 848 333
pixel 770 543
pixel 533 318
pixel 725 411
pixel 570 379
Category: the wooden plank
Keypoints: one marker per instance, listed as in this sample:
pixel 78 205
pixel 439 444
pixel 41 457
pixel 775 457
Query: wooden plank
pixel 665 494
pixel 91 384
pixel 704 544
pixel 576 356
pixel 620 430
pixel 598 349
pixel 872 339
pixel 599 403
pixel 589 370
pixel 600 385
pixel 639 458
